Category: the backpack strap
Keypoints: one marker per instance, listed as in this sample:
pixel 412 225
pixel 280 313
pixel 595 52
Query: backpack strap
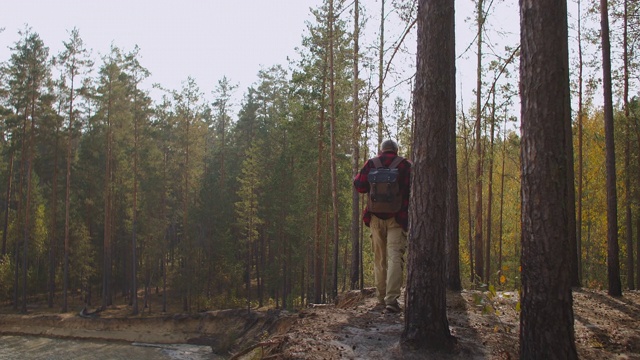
pixel 394 164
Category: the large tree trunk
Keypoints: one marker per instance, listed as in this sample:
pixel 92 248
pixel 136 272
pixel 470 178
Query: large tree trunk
pixel 613 256
pixel 546 321
pixel 426 323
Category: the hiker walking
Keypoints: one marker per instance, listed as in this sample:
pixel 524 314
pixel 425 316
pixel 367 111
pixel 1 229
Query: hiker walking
pixel 386 180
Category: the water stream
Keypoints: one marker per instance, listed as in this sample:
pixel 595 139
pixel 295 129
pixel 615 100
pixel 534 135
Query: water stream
pixel 40 348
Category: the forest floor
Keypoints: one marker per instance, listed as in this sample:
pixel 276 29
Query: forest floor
pixel 485 326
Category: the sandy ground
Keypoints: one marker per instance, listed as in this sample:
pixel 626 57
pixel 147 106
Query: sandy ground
pixel 485 326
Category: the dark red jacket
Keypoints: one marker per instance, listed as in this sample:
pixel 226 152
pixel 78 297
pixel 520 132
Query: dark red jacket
pixel 404 181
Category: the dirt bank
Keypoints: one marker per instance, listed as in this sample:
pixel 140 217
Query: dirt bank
pixel 222 330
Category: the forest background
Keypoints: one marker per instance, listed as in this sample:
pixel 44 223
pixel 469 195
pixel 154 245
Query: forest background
pixel 113 186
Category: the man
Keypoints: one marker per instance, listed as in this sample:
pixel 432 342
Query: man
pixel 388 229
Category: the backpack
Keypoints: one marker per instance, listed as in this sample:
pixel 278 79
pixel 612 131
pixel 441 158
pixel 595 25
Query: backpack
pixel 384 190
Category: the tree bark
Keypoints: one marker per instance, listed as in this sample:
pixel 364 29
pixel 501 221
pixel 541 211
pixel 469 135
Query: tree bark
pixel 546 321
pixel 27 209
pixel 580 153
pixel 7 205
pixel 134 225
pixel 426 324
pixel 334 176
pixel 613 256
pixel 454 282
pixel 627 160
pixel 355 155
pixel 487 273
pixel 504 155
pixel 54 216
pixel 67 203
pixel 317 270
pixel 479 245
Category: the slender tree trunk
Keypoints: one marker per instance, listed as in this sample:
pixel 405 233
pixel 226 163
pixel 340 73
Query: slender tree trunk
pixel 454 282
pixel 613 256
pixel 106 277
pixel 5 226
pixel 317 278
pixel 426 324
pixel 628 213
pixel 638 252
pixel 629 232
pixel 504 155
pixel 546 321
pixel 571 194
pixel 327 240
pixel 134 245
pixel 381 75
pixel 487 274
pixel 27 217
pixel 467 167
pixel 67 203
pixel 185 217
pixel 54 216
pixel 580 146
pixel 334 176
pixel 21 205
pixel 355 155
pixel 165 238
pixel 479 245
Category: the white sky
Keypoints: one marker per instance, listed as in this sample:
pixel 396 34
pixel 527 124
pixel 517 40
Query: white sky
pixel 205 39
pixel 209 39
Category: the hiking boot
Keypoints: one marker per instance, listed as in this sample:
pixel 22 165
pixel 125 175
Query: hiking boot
pixel 393 308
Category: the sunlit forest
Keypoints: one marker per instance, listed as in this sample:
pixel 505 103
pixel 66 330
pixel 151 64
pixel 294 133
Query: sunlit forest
pixel 107 192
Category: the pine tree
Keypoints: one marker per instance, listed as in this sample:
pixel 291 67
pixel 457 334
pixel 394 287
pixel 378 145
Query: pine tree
pixel 426 323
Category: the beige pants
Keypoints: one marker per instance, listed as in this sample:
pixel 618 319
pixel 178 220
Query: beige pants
pixel 389 242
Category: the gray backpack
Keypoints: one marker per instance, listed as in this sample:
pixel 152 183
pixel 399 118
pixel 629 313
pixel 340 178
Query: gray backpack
pixel 384 190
